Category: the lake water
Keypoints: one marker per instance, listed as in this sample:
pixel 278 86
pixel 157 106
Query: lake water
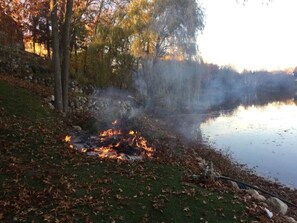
pixel 262 137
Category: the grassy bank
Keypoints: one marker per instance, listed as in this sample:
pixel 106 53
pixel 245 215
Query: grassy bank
pixel 43 181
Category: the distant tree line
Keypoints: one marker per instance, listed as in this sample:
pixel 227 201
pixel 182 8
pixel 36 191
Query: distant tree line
pixel 107 38
pixel 187 86
pixel 114 42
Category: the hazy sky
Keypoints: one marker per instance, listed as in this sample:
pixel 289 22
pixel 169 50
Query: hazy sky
pixel 251 35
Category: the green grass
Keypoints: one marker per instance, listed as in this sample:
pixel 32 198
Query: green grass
pixel 20 102
pixel 156 193
pixel 41 180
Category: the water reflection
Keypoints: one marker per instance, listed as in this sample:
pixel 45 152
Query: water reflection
pixel 263 137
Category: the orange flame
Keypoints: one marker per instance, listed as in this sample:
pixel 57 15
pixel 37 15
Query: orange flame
pixel 110 132
pixel 133 138
pixel 67 138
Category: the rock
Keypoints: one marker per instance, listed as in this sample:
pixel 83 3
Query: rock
pixel 209 172
pixel 290 220
pixel 252 192
pixel 234 185
pixel 51 106
pixel 247 198
pixel 76 127
pixel 201 162
pixel 278 205
pixel 52 98
pixel 255 194
pixel 260 198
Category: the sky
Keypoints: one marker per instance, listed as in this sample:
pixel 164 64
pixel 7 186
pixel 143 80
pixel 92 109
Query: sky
pixel 252 36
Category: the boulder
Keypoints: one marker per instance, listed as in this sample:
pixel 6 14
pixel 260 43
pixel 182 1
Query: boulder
pixel 290 220
pixel 278 206
pixel 234 185
pixel 255 194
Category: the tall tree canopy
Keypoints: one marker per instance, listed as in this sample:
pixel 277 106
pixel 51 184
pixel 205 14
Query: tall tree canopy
pixel 107 38
pixel 163 27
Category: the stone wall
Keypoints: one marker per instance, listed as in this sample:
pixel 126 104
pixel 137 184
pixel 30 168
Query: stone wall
pixel 79 96
pixel 34 69
pixel 20 63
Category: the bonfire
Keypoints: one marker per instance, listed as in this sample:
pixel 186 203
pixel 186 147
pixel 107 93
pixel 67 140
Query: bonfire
pixel 113 143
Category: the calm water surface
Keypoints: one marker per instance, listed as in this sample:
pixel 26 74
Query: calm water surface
pixel 263 137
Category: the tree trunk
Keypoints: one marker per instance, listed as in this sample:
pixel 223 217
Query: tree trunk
pixel 66 54
pixel 48 34
pixel 76 57
pixel 56 56
pixel 85 67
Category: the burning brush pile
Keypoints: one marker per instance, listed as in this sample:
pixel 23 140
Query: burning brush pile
pixel 113 143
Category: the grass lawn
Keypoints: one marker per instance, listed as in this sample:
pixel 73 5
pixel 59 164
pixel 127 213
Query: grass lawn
pixel 21 103
pixel 43 181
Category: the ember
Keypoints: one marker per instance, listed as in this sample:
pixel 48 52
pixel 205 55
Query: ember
pixel 112 144
pixel 67 138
